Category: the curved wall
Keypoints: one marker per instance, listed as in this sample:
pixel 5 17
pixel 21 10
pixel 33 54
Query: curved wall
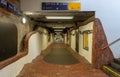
pixel 34 49
pixel 35 45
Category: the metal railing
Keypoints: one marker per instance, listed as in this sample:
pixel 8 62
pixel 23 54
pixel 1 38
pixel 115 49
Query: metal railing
pixel 111 43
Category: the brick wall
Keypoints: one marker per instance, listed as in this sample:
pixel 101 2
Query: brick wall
pixel 100 56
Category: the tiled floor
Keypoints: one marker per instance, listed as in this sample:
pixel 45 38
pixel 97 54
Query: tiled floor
pixel 40 68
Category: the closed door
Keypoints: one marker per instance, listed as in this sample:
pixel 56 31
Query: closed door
pixel 77 42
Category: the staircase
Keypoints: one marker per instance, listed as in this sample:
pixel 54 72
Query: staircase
pixel 113 68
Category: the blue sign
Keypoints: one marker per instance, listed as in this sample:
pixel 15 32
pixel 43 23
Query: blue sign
pixel 19 12
pixel 54 6
pixel 15 9
pixel 10 7
pixel 3 3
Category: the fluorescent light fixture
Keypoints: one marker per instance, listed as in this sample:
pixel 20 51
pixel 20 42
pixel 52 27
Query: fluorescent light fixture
pixel 58 30
pixel 59 27
pixel 59 17
pixel 31 13
pixel 28 13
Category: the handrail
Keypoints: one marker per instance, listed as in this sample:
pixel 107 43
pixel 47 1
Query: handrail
pixel 110 43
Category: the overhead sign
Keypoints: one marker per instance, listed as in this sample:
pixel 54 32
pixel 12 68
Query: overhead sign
pixel 54 6
pixel 61 6
pixel 74 6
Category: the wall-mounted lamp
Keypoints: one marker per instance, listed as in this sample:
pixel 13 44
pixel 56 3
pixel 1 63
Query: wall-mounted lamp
pixel 24 20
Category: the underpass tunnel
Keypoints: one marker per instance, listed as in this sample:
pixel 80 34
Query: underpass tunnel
pixel 64 42
pixel 61 29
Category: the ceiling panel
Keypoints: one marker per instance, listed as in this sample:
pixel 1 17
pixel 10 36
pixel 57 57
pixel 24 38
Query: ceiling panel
pixel 78 16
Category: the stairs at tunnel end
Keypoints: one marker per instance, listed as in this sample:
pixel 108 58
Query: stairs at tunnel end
pixel 113 68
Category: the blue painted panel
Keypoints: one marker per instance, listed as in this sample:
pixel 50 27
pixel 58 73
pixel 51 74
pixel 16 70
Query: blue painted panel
pixel 54 6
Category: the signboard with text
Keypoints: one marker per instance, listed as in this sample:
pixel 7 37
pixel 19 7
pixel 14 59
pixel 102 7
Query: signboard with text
pixel 10 7
pixel 54 6
pixel 61 6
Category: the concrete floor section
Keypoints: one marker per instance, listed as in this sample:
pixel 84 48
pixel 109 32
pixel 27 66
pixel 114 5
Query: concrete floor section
pixel 41 68
pixel 60 56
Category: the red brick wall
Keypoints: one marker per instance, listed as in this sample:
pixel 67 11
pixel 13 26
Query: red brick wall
pixel 100 56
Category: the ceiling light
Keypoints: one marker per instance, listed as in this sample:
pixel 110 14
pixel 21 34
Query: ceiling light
pixel 59 17
pixel 31 13
pixel 59 27
pixel 58 30
pixel 28 13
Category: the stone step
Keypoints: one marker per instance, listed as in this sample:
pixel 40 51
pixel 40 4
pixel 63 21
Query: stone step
pixel 115 65
pixel 111 71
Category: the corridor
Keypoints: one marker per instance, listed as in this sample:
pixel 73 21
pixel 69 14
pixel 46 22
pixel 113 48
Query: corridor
pixel 42 67
pixel 65 38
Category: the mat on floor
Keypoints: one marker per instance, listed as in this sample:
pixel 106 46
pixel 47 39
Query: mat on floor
pixel 60 56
